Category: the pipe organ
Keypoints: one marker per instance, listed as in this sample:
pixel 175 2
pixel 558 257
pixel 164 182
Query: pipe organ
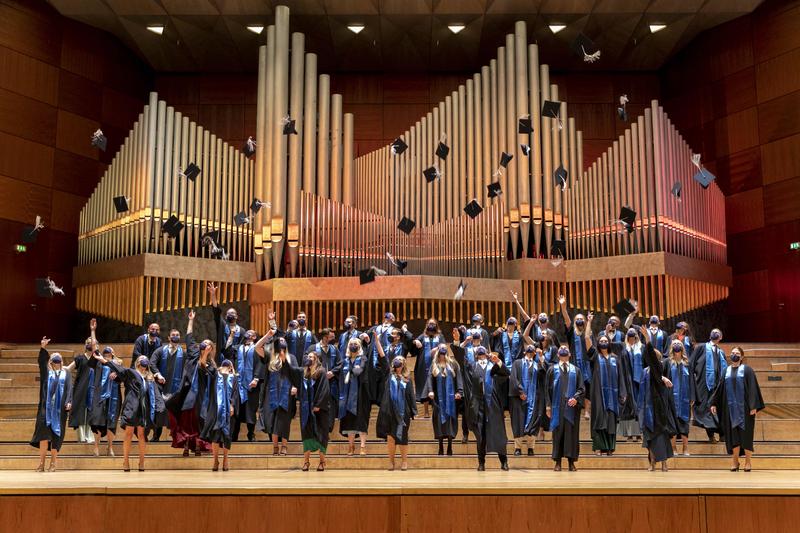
pixel 328 214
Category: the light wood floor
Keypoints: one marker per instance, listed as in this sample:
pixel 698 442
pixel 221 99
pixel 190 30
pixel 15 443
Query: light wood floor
pixel 411 482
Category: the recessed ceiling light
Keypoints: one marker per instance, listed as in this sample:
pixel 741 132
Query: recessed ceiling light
pixel 555 28
pixel 255 28
pixel 355 28
pixel 156 28
pixel 455 28
pixel 657 27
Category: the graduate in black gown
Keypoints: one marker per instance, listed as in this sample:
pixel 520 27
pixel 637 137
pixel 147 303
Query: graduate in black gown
pixel 250 375
pixel 223 404
pixel 465 346
pixel 105 399
pixel 186 407
pixel 84 376
pixel 166 364
pixel 142 402
pixel 278 405
pixel 676 368
pixel 300 339
pixel 313 397
pixel 350 331
pixel 575 331
pixel 330 359
pixel 55 401
pixel 372 375
pixel 659 336
pixel 565 392
pixel 632 360
pixel 736 400
pixel 527 398
pixel 508 342
pixel 476 330
pixel 656 407
pixel 354 399
pixel 682 334
pixel 424 349
pixel 230 334
pixel 707 365
pixel 444 388
pixel 487 377
pixel 147 343
pixel 398 409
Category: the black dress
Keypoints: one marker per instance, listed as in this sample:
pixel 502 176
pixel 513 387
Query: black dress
pixel 223 394
pixel 105 399
pixel 522 424
pixel 79 414
pixel 445 385
pixel 142 398
pixel 224 330
pixel 61 380
pixel 566 433
pixel 187 406
pixel 278 405
pixel 726 395
pixel 656 409
pixel 312 393
pixel 398 407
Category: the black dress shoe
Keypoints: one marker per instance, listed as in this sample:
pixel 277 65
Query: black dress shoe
pixel 504 466
pixel 530 452
pixel 464 439
pixel 517 452
pixel 251 437
pixel 481 467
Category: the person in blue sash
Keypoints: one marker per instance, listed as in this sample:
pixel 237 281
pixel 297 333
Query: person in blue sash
pixel 576 340
pixel 223 405
pixel 230 334
pixel 676 368
pixel 444 387
pixel 487 377
pixel 632 361
pixel 300 339
pixel 350 331
pixel 564 398
pixel 330 359
pixel 476 329
pixel 707 365
pixel 736 400
pixel 166 364
pixel 526 403
pixel 658 335
pixel 250 375
pixel 464 352
pixel 142 401
pixel 105 400
pixel 608 391
pixel 84 375
pixel 55 401
pixel 372 376
pixel 354 400
pixel 313 395
pixel 424 348
pixel 147 343
pixel 278 405
pixel 398 409
pixel 682 334
pixel 508 341
pixel 186 406
pixel 656 407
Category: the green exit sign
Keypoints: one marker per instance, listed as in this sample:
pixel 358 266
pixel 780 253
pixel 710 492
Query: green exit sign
pixel 20 248
pixel 794 245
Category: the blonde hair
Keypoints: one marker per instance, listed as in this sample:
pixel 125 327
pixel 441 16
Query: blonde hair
pixel 404 373
pixel 147 375
pixel 449 362
pixel 50 362
pixel 353 355
pixel 312 370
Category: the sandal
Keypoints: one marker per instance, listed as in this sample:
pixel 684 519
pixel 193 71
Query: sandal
pixel 186 452
pixel 351 450
pixel 283 450
pixel 40 468
pixel 404 466
pixel 321 466
pixel 664 467
pixel 126 467
pixel 275 450
pixel 52 467
pixel 215 468
pixel 306 466
pixel 363 450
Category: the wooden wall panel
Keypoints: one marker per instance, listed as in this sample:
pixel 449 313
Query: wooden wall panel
pixel 736 132
pixel 29 32
pixel 779 117
pixel 25 75
pixel 22 201
pixel 781 159
pixel 744 211
pixel 80 95
pixel 754 513
pixel 27 118
pixel 740 171
pixel 775 30
pixel 750 293
pixel 79 52
pixel 782 201
pixel 368 120
pixel 26 160
pixel 778 76
pixel 66 211
pixel 74 134
pixel 733 93
pixel 407 89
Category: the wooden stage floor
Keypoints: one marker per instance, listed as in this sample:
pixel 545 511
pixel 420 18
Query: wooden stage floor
pixel 412 482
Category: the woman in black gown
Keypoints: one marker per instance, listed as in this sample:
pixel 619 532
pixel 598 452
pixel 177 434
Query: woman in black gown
pixel 736 401
pixel 398 408
pixel 84 376
pixel 278 406
pixel 55 401
pixel 444 388
pixel 105 401
pixel 223 406
pixel 354 399
pixel 313 392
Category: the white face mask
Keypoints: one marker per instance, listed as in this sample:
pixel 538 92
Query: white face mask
pixel 482 362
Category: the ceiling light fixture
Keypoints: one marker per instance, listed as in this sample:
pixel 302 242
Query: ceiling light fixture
pixel 657 27
pixel 455 28
pixel 255 28
pixel 156 28
pixel 555 28
pixel 355 28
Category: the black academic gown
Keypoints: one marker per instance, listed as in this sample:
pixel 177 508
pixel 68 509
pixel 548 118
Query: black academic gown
pixel 224 350
pixel 360 420
pixel 316 396
pixel 421 370
pixel 688 343
pixel 570 333
pixel 486 417
pixel 519 408
pixel 215 428
pixel 104 413
pixel 603 418
pixel 136 409
pixel 165 354
pixel 331 361
pixel 449 428
pixel 738 436
pixel 277 421
pixel 41 430
pixel 186 397
pixel 702 404
pixel 344 339
pixel 628 409
pixel 374 378
pixel 390 421
pixel 566 437
pixel 298 341
pixel 79 415
pixel 497 346
pixel 657 439
pixel 144 345
pixel 486 340
pixel 247 412
pixel 463 406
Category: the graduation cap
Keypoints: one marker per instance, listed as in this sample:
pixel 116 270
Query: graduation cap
pixel 256 205
pixel 623 308
pixel 210 237
pixel 524 126
pixel 473 209
pixel 627 217
pixel 249 147
pixel 121 204
pixel 241 218
pixel 29 233
pixel 442 150
pixel 46 288
pixel 622 109
pixel 172 226
pixel 585 48
pixel 494 189
pixel 558 251
pixel 560 177
pixel 366 276
pixel 505 159
pixel 99 140
pixel 406 225
pixel 676 190
pixel 704 178
pixel 432 173
pixel 398 264
pixel 288 126
pixel 190 172
pixel 398 146
pixel 552 109
pixel 526 149
pixel 460 290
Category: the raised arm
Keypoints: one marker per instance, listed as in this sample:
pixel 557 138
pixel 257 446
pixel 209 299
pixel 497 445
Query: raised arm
pixel 378 344
pixel 587 335
pixel 93 330
pixel 629 320
pixel 522 312
pixel 562 303
pixel 212 291
pixel 526 335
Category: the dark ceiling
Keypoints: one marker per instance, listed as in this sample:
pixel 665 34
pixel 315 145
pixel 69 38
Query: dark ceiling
pixel 403 35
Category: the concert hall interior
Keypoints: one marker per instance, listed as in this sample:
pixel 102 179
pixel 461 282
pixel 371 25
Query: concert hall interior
pixel 403 256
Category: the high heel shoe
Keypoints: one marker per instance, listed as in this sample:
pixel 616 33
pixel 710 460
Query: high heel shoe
pixel 363 451
pixel 404 466
pixel 321 466
pixel 141 467
pixel 283 451
pixel 735 468
pixel 275 450
pixel 306 466
pixel 747 468
pixel 215 468
pixel 126 466
pixel 52 467
pixel 110 452
pixel 40 468
pixel 351 450
pixel 225 466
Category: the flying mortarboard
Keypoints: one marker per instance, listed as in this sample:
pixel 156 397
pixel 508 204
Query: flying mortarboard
pixel 241 218
pixel 560 177
pixel 704 178
pixel 473 209
pixel 121 204
pixel 399 264
pixel 398 146
pixel 627 217
pixel 442 149
pixel 256 205
pixel 623 308
pixel 249 147
pixel 526 149
pixel 505 159
pixel 172 226
pixel 406 225
pixel 99 140
pixel 552 109
pixel 190 172
pixel 368 275
pixel 494 189
pixel 460 290
pixel 432 173
pixel 585 48
pixel 676 189
pixel 524 126
pixel 288 126
pixel 559 249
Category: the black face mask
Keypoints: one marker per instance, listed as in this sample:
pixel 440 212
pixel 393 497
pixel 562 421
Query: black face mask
pixel 579 323
pixel 301 322
pixel 602 345
pixel 230 319
pixel 88 347
pixel 431 327
pixel 348 325
pixel 176 340
pixel 715 336
pixel 735 357
pixel 353 348
pixel 153 333
pixel 542 320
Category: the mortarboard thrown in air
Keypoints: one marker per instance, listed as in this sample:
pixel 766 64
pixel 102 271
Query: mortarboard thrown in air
pixel 526 149
pixel 172 226
pixel 99 140
pixel 494 190
pixel 256 205
pixel 121 204
pixel 524 126
pixel 560 177
pixel 627 217
pixel 210 239
pixel 558 252
pixel 241 218
pixel 29 233
pixel 406 225
pixel 289 126
pixel 249 147
pixel 552 109
pixel 47 288
pixel 190 172
pixel 460 290
pixel 677 187
pixel 585 48
pixel 505 159
pixel 473 209
pixel 398 264
pixel 622 110
pixel 368 274
pixel 398 146
pixel 623 308
pixel 432 173
pixel 442 149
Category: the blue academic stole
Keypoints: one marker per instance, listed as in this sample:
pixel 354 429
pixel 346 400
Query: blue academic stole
pixel 569 412
pixel 734 392
pixel 109 391
pixel 469 353
pixel 348 393
pixel 55 397
pixel 510 351
pixel 279 389
pixel 636 361
pixel 244 365
pixel 711 375
pixel 224 391
pixel 488 383
pixel 445 390
pixel 609 384
pixel 530 372
pixel 646 402
pixel 427 346
pixel 586 370
pixel 397 390
pixel 679 375
pixel 383 332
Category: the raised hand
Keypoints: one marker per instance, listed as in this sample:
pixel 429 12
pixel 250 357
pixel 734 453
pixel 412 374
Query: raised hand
pixel 495 358
pixel 562 300
pixel 192 314
pixel 93 324
pixel 515 296
pixel 589 317
pixel 294 391
pixel 45 342
pixel 270 315
pixel 417 343
pixel 456 335
pixel 431 395
pixel 635 305
pixel 458 396
pixel 212 288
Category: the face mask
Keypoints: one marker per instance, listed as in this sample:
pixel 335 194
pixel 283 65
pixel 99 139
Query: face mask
pixel 153 333
pixel 529 349
pixel 175 338
pixel 307 361
pixel 563 353
pixel 631 335
pixel 611 325
pixel 88 347
pixel 735 357
pixel 430 327
pixel 542 320
pixel 512 324
pixel 482 362
pixel 203 346
pixel 602 345
pixel 301 322
pixel 348 325
pixel 230 319
pixel 353 348
pixel 580 323
pixel 443 351
pixel 715 335
pixel 677 349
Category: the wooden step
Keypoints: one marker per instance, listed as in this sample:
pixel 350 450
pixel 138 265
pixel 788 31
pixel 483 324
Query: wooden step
pixel 19 395
pixel 787 366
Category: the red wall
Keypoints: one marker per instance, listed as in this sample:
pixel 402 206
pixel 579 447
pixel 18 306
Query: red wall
pixel 59 81
pixel 735 94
